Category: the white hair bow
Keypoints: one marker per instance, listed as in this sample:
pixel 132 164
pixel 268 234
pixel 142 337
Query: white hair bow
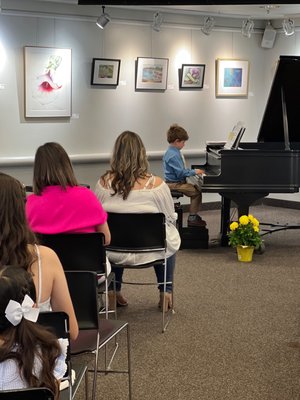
pixel 15 311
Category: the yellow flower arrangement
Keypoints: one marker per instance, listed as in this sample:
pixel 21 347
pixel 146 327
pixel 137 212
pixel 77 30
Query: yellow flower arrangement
pixel 245 232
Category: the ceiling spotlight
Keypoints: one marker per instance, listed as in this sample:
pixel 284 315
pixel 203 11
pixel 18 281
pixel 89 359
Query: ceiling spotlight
pixel 157 21
pixel 208 25
pixel 247 27
pixel 288 26
pixel 104 19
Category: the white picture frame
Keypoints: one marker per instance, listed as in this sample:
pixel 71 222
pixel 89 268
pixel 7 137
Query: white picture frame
pixel 47 82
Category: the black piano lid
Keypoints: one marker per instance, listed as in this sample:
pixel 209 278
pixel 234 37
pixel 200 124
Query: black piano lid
pixel 287 77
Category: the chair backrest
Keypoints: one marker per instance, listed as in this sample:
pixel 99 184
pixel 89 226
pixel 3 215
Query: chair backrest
pixel 78 251
pixel 58 322
pixel 83 290
pixel 27 394
pixel 137 232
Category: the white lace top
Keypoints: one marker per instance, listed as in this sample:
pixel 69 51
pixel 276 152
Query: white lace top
pixel 145 200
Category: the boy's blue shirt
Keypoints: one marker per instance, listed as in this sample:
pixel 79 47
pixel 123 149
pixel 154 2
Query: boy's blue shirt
pixel 174 168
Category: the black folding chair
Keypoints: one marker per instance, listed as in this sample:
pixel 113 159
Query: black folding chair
pixel 141 233
pixel 95 333
pixel 58 323
pixel 27 394
pixel 82 252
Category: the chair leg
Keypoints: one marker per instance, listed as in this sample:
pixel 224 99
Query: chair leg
pixel 129 364
pixel 166 314
pixel 95 370
pixel 86 385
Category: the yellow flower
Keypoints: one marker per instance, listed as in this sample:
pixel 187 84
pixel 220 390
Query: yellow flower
pixel 255 222
pixel 256 228
pixel 233 226
pixel 244 220
pixel 251 218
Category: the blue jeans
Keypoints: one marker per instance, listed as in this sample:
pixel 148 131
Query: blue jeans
pixel 159 271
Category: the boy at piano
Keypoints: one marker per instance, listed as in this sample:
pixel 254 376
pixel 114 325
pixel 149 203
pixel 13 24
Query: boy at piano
pixel 177 175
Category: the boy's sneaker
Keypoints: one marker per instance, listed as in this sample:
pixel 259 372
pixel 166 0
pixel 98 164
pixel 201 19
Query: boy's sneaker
pixel 196 220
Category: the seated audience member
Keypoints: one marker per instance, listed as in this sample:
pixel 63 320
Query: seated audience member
pixel 58 203
pixel 129 187
pixel 177 175
pixel 19 248
pixel 30 355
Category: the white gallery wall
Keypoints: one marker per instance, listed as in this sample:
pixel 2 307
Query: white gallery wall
pixel 100 114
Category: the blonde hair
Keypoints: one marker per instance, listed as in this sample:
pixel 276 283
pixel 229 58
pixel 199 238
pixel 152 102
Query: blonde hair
pixel 128 163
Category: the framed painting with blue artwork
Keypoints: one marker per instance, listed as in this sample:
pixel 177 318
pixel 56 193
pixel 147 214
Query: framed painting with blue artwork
pixel 232 77
pixel 151 73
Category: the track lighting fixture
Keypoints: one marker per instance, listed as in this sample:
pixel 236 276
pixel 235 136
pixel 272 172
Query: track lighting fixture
pixel 208 25
pixel 157 21
pixel 104 19
pixel 247 27
pixel 288 26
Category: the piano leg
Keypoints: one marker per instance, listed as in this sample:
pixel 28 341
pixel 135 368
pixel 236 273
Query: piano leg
pixel 225 220
pixel 243 202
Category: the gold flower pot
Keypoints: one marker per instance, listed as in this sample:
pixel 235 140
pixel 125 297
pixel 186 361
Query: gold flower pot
pixel 245 253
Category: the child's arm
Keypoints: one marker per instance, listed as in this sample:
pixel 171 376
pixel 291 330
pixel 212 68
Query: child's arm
pixel 177 170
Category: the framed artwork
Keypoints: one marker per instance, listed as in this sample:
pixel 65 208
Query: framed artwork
pixel 232 78
pixel 105 71
pixel 191 76
pixel 151 73
pixel 47 82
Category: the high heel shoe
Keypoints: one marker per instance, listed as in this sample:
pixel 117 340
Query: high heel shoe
pixel 116 299
pixel 167 296
pixel 121 301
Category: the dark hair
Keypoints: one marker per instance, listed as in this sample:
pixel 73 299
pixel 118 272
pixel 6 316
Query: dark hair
pixel 28 340
pixel 176 132
pixel 128 164
pixel 52 166
pixel 15 234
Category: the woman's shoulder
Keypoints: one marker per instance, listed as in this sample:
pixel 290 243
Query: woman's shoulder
pixel 157 181
pixel 48 256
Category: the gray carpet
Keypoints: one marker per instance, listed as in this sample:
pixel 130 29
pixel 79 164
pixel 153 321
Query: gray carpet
pixel 235 334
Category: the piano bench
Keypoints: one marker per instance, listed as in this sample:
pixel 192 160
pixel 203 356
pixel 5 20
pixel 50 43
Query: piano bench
pixel 175 194
pixel 194 238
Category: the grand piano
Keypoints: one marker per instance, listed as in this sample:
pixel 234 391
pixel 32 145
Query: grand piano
pixel 270 165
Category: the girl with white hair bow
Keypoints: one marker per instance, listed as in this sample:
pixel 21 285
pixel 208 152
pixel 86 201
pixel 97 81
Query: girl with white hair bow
pixel 30 355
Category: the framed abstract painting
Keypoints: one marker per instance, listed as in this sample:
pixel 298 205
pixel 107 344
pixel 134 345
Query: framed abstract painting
pixel 191 76
pixel 47 82
pixel 232 77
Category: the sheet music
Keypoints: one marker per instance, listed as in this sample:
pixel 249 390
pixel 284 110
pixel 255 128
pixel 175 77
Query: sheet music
pixel 233 140
pixel 234 136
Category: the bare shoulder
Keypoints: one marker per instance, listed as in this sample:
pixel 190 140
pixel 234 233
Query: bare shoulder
pixel 49 256
pixel 157 181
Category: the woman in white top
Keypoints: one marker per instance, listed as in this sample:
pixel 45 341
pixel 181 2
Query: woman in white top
pixel 129 187
pixel 19 248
